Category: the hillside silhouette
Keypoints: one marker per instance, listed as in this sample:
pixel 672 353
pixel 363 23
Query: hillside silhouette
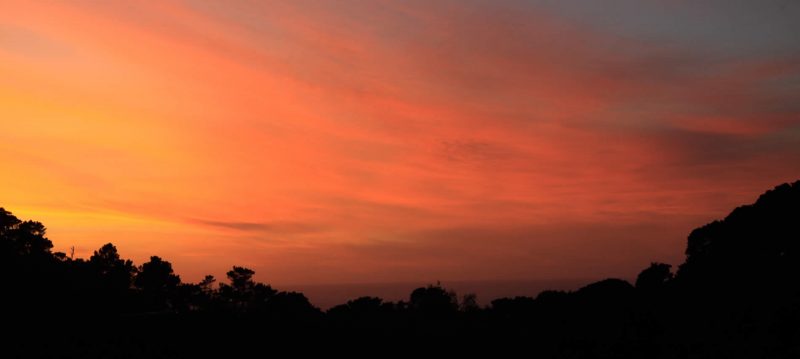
pixel 737 295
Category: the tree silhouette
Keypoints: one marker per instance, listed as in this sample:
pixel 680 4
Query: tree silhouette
pixel 244 293
pixel 30 238
pixel 433 301
pixel 157 281
pixel 654 277
pixel 737 295
pixel 360 307
pixel 241 279
pixel 469 303
pixel 114 276
pixel 23 238
pixel 290 307
pixel 7 222
pixel 207 284
pixel 107 260
pixel 156 276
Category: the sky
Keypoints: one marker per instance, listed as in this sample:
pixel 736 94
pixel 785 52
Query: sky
pixel 395 141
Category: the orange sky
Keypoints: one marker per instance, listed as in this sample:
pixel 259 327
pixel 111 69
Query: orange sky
pixel 387 141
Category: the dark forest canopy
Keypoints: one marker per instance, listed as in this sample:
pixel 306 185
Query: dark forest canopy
pixel 736 295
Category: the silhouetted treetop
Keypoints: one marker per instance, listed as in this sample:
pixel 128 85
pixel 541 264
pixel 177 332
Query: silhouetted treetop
pixel 433 300
pixel 654 277
pixel 207 284
pixel 106 257
pixel 115 272
pixel 753 242
pixel 7 220
pixel 23 237
pixel 156 276
pixel 361 306
pixel 241 278
pixel 604 287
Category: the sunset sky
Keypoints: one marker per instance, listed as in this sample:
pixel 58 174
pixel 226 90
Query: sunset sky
pixel 387 141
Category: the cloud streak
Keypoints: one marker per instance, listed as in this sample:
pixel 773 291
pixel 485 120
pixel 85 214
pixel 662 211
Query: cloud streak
pixel 279 228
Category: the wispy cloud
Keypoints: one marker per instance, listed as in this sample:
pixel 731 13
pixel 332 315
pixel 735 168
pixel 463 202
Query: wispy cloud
pixel 362 133
pixel 277 227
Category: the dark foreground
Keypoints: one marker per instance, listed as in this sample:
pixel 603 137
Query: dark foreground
pixel 737 295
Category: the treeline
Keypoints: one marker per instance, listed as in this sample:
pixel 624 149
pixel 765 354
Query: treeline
pixel 737 295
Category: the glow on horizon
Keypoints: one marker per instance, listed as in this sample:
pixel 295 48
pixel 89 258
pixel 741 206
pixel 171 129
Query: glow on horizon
pixel 391 141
